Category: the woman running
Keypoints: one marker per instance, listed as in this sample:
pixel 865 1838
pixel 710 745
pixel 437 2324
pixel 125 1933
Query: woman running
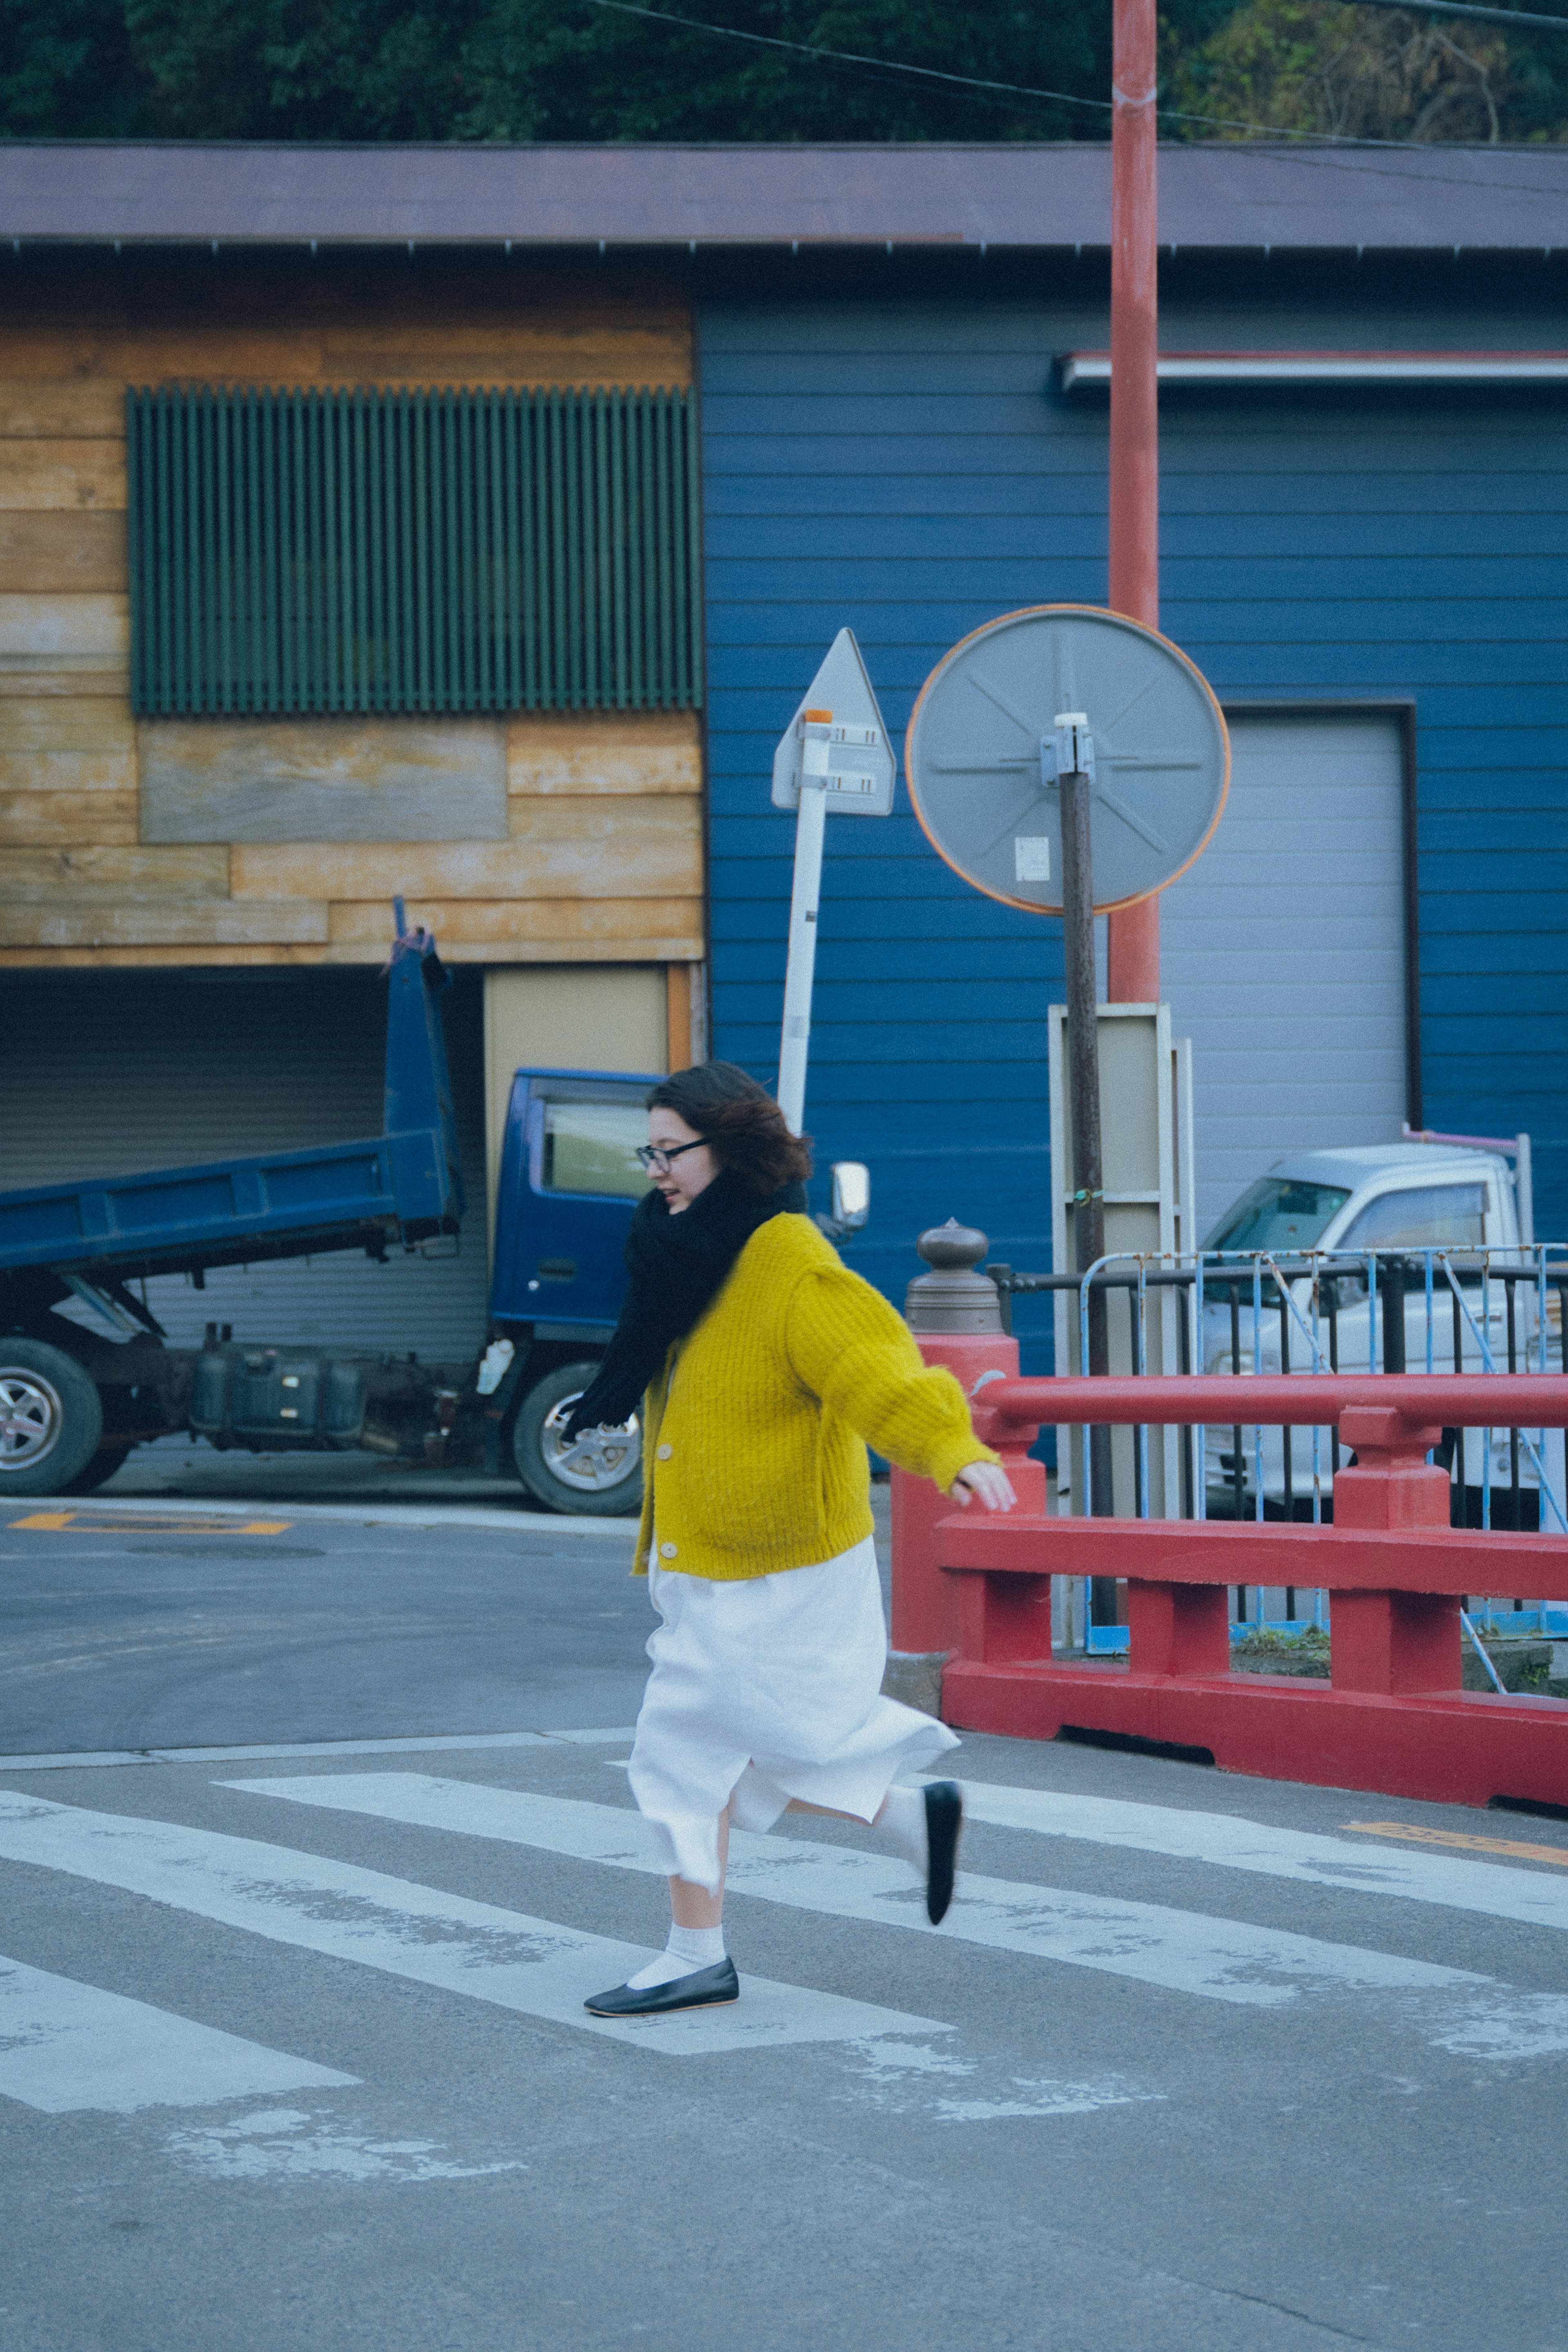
pixel 763 1369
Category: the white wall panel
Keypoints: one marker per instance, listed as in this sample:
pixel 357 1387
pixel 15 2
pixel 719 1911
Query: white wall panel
pixel 1282 951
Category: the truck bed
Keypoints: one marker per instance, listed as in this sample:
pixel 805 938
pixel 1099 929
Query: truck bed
pixel 232 1212
pixel 400 1187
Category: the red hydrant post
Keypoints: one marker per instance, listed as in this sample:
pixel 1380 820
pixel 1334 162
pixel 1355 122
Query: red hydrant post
pixel 954 1317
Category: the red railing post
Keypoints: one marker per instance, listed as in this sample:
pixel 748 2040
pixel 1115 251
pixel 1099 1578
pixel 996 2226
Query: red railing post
pixel 1391 1641
pixel 1178 1629
pixel 1391 1484
pixel 1004 1620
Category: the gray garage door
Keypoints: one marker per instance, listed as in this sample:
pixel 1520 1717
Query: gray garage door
pixel 1282 951
pixel 106 1073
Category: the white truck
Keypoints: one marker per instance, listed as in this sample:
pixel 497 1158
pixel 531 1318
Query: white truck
pixel 1446 1226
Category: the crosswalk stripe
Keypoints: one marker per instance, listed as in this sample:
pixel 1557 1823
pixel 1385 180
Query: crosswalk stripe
pixel 532 1966
pixel 1305 1856
pixel 1182 1951
pixel 65 2045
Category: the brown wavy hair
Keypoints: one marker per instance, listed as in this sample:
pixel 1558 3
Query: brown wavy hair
pixel 742 1124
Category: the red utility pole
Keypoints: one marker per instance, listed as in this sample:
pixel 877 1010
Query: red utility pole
pixel 1133 942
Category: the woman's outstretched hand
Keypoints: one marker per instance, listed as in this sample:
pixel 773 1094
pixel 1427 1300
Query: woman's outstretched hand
pixel 990 1481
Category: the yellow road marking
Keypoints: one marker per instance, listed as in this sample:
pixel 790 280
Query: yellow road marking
pixel 78 1523
pixel 1418 1837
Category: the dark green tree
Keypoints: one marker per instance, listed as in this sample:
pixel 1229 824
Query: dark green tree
pixel 1317 66
pixel 523 69
pixel 67 71
pixel 568 69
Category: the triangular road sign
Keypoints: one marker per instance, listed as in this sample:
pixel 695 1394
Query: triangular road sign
pixel 861 766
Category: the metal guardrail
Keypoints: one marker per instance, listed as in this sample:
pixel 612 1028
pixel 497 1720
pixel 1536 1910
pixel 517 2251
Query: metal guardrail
pixel 1391 1716
pixel 1444 1311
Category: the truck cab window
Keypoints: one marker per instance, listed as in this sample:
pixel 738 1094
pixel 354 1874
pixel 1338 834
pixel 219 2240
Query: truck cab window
pixel 591 1147
pixel 1279 1212
pixel 1425 1216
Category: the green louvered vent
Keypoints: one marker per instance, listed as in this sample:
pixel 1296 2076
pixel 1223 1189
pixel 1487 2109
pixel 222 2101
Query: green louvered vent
pixel 413 551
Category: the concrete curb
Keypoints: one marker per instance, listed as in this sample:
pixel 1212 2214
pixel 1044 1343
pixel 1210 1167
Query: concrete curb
pixel 98 1760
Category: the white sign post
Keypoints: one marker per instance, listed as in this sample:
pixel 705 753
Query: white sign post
pixel 834 754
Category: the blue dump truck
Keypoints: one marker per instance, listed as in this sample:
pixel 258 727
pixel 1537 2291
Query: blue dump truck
pixel 79 1390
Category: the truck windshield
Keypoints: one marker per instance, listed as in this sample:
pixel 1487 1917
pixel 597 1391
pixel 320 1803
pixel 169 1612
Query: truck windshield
pixel 1279 1212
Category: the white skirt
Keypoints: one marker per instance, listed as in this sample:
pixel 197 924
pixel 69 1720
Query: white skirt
pixel 763 1689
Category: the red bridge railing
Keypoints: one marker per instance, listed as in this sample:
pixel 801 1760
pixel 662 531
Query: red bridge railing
pixel 1392 1716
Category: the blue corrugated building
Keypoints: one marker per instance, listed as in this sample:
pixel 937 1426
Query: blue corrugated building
pixel 1363 492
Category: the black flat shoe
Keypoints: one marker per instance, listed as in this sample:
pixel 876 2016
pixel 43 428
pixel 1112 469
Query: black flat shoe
pixel 705 1989
pixel 944 1821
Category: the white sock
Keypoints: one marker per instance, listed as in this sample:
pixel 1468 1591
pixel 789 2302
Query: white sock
pixel 902 1821
pixel 688 1949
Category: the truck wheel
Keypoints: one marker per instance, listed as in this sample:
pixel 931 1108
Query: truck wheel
pixel 99 1471
pixel 51 1419
pixel 598 1472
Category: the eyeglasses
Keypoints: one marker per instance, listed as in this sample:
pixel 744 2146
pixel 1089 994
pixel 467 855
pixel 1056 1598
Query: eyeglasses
pixel 657 1156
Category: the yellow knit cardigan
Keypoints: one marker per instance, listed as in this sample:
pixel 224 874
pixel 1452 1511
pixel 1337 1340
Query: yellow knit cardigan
pixel 755 1436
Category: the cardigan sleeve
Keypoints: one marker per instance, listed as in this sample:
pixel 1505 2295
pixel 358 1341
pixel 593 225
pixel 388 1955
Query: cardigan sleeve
pixel 848 1347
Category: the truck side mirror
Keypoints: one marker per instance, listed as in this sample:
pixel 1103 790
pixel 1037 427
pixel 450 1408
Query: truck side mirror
pixel 851 1194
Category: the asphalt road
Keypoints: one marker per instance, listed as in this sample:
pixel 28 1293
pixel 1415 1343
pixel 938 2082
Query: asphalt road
pixel 292 2052
pixel 187 1469
pixel 177 1628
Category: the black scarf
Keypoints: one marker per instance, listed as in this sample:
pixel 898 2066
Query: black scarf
pixel 678 1265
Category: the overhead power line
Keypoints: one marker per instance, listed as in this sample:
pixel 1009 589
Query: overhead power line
pixel 852 58
pixel 1066 98
pixel 1463 9
pixel 1311 146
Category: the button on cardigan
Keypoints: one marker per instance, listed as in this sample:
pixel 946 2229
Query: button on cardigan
pixel 754 1436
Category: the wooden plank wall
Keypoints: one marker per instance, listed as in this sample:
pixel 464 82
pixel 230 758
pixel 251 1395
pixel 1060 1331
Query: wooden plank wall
pixel 601 858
